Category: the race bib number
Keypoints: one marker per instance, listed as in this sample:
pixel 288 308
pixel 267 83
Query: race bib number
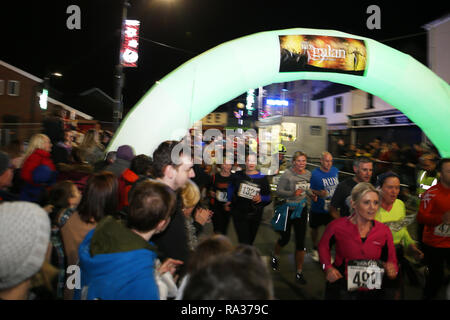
pixel 396 226
pixel 364 274
pixel 221 196
pixel 442 230
pixel 302 185
pixel 248 190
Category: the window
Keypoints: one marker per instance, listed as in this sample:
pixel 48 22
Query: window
pixel 2 87
pixel 369 101
pixel 13 88
pixel 288 131
pixel 338 105
pixel 321 108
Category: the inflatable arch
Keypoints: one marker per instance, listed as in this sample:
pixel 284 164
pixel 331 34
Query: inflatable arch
pixel 220 74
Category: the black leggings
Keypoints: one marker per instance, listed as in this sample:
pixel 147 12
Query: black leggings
pixel 299 229
pixel 246 225
pixel 220 218
pixel 436 259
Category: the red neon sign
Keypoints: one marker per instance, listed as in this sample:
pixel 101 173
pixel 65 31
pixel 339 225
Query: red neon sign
pixel 129 48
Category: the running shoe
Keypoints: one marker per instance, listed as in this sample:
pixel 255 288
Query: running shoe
pixel 274 262
pixel 314 255
pixel 300 278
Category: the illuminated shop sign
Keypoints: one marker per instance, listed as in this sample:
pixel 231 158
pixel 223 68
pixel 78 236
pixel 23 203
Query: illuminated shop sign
pixel 130 42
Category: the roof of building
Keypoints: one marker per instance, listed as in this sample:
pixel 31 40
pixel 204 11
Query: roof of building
pixel 50 99
pixel 437 22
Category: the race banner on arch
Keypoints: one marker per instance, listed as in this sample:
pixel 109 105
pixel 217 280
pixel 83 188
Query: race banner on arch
pixel 322 54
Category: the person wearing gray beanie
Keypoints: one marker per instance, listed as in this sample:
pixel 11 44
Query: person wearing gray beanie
pixel 24 242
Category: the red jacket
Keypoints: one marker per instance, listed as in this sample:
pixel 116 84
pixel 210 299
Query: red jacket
pixel 349 245
pixel 37 158
pixel 434 203
pixel 126 181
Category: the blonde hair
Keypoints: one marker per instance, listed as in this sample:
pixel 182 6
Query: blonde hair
pixel 91 139
pixel 190 194
pixel 37 141
pixel 360 190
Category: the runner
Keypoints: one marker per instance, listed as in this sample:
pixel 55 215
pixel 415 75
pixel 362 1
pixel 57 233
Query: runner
pixel 248 194
pixel 293 187
pixel 392 213
pixel 324 181
pixel 361 247
pixel 434 213
pixel 218 193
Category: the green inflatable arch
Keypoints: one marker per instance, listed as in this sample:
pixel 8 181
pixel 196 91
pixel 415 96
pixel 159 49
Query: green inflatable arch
pixel 218 75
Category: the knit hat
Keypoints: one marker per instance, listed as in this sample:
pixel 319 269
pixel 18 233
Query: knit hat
pixel 24 240
pixel 125 152
pixel 4 162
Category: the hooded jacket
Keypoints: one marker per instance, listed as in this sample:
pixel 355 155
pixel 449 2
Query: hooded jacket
pixel 116 264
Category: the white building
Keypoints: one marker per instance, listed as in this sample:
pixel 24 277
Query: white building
pixel 358 117
pixel 439 47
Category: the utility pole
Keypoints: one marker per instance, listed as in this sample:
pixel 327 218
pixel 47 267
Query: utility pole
pixel 119 76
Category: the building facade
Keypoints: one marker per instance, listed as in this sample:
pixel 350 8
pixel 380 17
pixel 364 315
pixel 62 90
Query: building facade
pixel 20 112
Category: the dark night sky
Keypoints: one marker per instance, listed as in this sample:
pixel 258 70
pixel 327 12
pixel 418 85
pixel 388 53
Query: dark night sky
pixel 37 39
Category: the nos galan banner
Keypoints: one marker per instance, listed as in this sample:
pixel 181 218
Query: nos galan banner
pixel 322 53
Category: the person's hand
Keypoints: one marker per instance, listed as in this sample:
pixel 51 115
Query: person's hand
pixel 203 216
pixel 298 192
pixel 257 198
pixel 332 275
pixel 418 255
pixel 170 265
pixel 314 197
pixel 226 206
pixel 391 270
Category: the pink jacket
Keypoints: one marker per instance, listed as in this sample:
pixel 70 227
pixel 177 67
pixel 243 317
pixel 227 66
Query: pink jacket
pixel 349 245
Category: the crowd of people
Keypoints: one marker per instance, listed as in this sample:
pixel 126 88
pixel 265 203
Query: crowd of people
pixel 132 226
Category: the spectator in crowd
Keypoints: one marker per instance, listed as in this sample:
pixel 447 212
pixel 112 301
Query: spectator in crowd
pixel 358 237
pixel 195 217
pixel 174 172
pixel 339 205
pixel 124 155
pixel 207 250
pixel 140 167
pixel 61 151
pixel 38 171
pixel 99 200
pixel 24 244
pixel 77 171
pixel 92 147
pixel 64 198
pixel 239 275
pixel 105 138
pixel 434 214
pixel 6 177
pixel 117 259
pixel 109 159
pixel 53 125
